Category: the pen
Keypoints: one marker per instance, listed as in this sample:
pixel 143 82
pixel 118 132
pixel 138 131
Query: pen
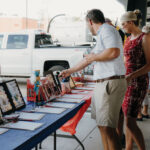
pixel 26 120
pixel 47 106
pixel 28 111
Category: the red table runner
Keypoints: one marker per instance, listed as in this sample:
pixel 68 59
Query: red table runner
pixel 70 126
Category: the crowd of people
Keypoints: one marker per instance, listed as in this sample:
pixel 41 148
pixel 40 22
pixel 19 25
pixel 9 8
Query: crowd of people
pixel 121 76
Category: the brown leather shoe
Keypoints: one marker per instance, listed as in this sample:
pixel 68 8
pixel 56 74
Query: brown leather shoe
pixel 139 119
pixel 145 116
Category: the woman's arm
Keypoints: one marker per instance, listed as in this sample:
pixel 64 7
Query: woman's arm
pixel 146 68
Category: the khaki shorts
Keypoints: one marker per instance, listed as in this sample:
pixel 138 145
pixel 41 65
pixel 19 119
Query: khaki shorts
pixel 107 101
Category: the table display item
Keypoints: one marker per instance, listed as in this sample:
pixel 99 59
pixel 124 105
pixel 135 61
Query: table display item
pixel 31 94
pixel 72 83
pixel 68 100
pixel 50 87
pixel 75 96
pixel 90 86
pixel 78 76
pixel 30 116
pixel 61 105
pixel 58 80
pixel 49 110
pixel 54 82
pixel 3 130
pixel 1 119
pixel 26 116
pixel 5 104
pixel 23 125
pixel 12 117
pixel 15 94
pixel 47 90
pixel 90 83
pixel 10 97
pixel 79 92
pixel 36 86
pixel 84 88
pixel 65 86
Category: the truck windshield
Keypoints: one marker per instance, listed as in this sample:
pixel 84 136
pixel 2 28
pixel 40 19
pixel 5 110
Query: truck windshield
pixel 43 40
pixel 1 40
pixel 17 41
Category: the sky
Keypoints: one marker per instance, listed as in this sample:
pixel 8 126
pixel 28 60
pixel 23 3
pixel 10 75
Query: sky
pixel 49 8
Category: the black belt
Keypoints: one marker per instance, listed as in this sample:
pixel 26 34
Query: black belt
pixel 110 78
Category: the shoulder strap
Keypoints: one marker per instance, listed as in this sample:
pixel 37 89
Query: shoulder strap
pixel 141 36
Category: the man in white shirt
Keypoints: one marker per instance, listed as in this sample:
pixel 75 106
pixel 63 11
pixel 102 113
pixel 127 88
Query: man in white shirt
pixel 109 73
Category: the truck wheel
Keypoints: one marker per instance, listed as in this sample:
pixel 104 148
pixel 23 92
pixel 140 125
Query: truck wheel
pixel 54 68
pixel 57 68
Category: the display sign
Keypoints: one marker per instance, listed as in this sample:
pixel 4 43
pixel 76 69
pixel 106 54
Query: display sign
pixel 15 94
pixel 10 97
pixel 49 88
pixel 5 103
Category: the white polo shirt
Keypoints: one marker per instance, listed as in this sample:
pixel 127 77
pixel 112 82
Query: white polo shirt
pixel 108 37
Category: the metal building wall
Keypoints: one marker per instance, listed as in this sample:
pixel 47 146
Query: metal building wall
pixel 131 5
pixel 138 4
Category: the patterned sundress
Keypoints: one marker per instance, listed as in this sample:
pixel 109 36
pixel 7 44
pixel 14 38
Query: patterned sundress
pixel 136 91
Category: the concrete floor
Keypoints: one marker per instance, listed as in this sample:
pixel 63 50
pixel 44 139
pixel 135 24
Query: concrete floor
pixel 88 133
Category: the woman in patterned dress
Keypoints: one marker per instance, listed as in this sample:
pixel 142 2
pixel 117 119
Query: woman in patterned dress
pixel 137 62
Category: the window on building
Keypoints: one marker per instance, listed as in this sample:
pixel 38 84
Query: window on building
pixel 17 41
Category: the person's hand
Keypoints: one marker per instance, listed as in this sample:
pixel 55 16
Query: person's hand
pixel 89 57
pixel 128 78
pixel 65 73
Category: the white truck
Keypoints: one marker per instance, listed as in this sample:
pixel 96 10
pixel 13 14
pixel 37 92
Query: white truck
pixel 23 52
